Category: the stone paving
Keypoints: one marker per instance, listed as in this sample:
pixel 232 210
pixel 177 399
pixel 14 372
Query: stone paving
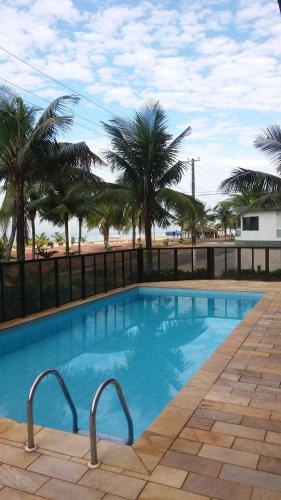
pixel 219 438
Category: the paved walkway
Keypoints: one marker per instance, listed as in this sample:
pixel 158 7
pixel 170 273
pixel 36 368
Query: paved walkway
pixel 219 438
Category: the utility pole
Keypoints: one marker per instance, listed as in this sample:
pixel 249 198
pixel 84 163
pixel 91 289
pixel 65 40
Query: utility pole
pixel 193 228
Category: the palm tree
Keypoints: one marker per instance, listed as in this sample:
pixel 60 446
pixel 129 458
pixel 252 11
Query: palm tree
pixel 30 153
pixel 145 156
pixel 106 215
pixel 267 186
pixel 57 206
pixel 224 213
pixel 59 238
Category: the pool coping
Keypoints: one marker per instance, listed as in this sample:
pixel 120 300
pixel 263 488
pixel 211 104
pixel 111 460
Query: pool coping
pixel 141 462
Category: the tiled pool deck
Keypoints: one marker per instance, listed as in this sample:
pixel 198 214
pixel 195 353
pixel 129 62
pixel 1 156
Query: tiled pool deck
pixel 219 438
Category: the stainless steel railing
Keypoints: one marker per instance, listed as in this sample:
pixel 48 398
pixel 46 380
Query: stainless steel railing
pixel 94 463
pixel 30 434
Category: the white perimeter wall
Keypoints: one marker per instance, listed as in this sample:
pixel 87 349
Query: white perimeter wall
pixel 268 223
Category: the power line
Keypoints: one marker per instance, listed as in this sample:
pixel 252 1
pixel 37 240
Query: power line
pixel 32 104
pixel 56 81
pixel 46 100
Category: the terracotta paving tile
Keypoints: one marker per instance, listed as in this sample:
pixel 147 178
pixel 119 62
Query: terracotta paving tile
pixel 260 494
pixel 200 423
pixel 206 437
pixel 228 398
pixel 216 363
pixel 16 456
pixel 191 463
pixel 59 469
pixel 9 429
pixel 269 464
pixel 185 446
pixel 258 447
pixel 255 395
pixel 255 478
pixel 229 376
pixel 229 455
pixel 274 405
pixel 170 421
pixel 158 492
pixel 239 430
pixel 117 455
pixel 168 476
pixel 211 405
pixel 109 482
pixel 56 489
pixel 151 447
pixel 236 385
pixel 273 437
pixel 11 494
pixel 63 442
pixel 21 479
pixel 220 416
pixel 246 410
pixel 276 415
pixel 218 488
pixel 112 497
pixel 262 423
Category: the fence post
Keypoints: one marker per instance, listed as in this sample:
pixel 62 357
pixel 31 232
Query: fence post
pixel 40 285
pixel 267 262
pixel 57 282
pixel 123 269
pixel 105 271
pixel 176 263
pixel 211 262
pixel 140 264
pixel 239 263
pixel 83 277
pixel 22 288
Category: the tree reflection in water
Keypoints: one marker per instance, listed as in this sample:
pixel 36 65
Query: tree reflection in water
pixel 151 343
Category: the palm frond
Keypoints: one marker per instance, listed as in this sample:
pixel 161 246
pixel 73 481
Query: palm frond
pixel 179 202
pixel 243 179
pixel 270 143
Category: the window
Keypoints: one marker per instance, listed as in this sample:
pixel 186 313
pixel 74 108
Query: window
pixel 250 223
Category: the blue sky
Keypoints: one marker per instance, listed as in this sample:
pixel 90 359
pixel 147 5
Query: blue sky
pixel 214 65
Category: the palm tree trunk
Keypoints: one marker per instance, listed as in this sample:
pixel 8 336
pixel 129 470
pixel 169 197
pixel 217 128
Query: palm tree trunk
pixel 134 232
pixel 225 231
pixel 66 230
pixel 32 220
pixel 20 221
pixel 12 237
pixel 80 223
pixel 106 234
pixel 147 231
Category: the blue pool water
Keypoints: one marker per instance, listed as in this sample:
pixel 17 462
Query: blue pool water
pixel 151 339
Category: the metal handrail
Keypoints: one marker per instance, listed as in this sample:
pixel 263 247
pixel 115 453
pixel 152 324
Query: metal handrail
pixel 93 464
pixel 30 434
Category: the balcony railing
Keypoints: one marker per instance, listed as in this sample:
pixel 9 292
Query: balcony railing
pixel 37 285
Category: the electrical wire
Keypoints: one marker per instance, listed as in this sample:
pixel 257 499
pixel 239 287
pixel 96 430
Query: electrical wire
pixel 58 82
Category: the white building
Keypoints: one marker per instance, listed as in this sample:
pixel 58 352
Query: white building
pixel 259 228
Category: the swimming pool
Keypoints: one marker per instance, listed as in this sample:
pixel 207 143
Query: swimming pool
pixel 151 339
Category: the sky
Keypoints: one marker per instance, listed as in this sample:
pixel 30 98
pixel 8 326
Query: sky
pixel 213 65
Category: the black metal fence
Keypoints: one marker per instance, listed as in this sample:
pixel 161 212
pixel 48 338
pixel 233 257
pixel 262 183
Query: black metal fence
pixel 36 285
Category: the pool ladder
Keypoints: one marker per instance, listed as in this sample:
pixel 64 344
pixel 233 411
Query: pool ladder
pixel 94 463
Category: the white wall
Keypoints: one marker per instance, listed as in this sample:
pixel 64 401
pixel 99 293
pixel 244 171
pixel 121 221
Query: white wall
pixel 268 223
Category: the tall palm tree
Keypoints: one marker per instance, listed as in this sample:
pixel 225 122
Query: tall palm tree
pixel 145 155
pixel 30 153
pixel 224 213
pixel 266 185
